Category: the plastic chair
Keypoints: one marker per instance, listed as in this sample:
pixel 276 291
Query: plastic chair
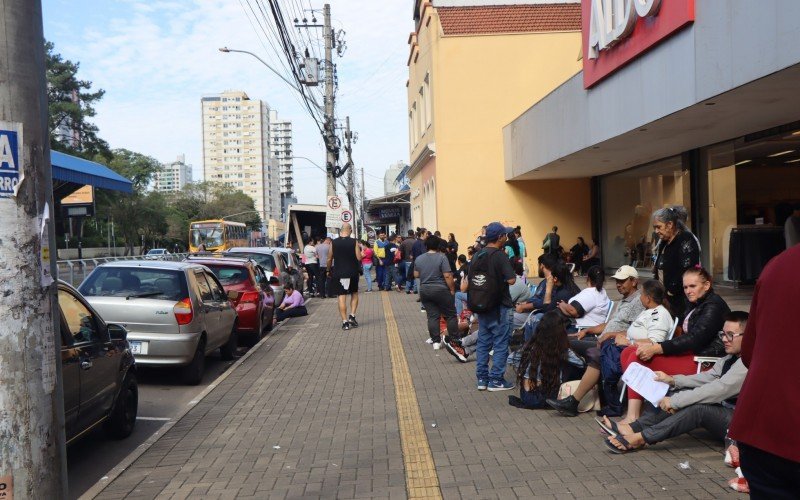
pixel 702 360
pixel 671 334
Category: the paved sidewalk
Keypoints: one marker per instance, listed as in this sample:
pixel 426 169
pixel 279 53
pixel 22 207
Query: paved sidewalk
pixel 312 413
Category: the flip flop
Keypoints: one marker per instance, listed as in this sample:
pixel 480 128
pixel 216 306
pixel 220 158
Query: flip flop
pixel 624 442
pixel 612 430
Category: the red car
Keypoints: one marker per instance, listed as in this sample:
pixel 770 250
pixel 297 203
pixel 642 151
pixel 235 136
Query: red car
pixel 255 302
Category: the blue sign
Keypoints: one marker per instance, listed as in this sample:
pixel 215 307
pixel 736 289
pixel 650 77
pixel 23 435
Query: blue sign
pixel 10 139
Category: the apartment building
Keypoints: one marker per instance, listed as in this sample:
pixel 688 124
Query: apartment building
pixel 173 176
pixel 281 147
pixel 236 149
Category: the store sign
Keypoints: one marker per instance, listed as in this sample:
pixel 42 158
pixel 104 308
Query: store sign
pixel 10 167
pixel 389 213
pixel 615 32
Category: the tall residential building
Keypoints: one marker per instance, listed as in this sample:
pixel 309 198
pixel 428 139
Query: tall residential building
pixel 173 176
pixel 236 149
pixel 281 146
pixel 390 178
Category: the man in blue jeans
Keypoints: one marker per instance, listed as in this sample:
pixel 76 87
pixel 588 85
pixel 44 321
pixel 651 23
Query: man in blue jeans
pixel 494 325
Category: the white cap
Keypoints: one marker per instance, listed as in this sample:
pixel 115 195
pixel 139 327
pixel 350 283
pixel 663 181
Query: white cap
pixel 626 272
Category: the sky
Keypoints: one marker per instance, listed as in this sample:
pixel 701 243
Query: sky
pixel 155 59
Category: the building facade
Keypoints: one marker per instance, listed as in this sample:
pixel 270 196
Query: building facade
pixel 281 147
pixel 474 66
pixel 236 149
pixel 173 176
pixel 390 185
pixel 694 104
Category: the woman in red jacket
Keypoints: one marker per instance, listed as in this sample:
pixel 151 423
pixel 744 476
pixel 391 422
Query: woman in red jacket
pixel 701 322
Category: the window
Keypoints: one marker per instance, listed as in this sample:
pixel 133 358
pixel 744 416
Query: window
pixel 411 139
pixel 205 290
pixel 216 289
pixel 423 122
pixel 79 319
pixel 427 102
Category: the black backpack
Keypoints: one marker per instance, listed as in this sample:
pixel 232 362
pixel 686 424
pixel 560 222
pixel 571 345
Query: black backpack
pixel 484 290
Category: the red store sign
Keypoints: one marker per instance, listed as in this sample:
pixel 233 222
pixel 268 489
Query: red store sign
pixel 615 32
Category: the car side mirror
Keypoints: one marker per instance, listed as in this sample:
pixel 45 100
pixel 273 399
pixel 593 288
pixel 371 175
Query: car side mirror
pixel 233 295
pixel 117 332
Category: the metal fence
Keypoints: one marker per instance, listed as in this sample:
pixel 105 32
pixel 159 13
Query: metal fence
pixel 75 271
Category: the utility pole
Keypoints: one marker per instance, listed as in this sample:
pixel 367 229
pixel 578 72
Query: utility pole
pixel 351 188
pixel 363 205
pixel 330 129
pixel 32 450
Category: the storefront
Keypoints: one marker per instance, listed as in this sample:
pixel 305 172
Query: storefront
pixel 692 104
pixel 390 214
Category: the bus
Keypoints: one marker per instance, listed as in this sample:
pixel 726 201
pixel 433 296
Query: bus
pixel 216 235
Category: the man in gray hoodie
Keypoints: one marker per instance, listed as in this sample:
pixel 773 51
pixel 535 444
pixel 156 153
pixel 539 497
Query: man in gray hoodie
pixel 705 400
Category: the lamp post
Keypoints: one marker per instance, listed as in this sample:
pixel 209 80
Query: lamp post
pixel 227 50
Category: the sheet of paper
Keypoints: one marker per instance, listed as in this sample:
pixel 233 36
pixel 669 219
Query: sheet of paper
pixel 642 380
pixel 345 283
pixel 44 239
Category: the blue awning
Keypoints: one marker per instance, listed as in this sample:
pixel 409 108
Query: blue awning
pixel 76 170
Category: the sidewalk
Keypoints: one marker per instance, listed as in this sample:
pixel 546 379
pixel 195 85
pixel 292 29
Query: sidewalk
pixel 313 413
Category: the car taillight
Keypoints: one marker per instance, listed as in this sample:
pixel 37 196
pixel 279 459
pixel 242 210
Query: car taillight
pixel 183 311
pixel 250 297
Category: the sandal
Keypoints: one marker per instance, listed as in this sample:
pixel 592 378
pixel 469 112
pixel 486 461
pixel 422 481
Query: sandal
pixel 624 442
pixel 611 429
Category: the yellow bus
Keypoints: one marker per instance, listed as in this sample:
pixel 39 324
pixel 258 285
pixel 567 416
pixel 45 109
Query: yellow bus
pixel 216 235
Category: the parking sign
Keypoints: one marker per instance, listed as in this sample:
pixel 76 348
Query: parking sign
pixel 10 167
pixel 347 216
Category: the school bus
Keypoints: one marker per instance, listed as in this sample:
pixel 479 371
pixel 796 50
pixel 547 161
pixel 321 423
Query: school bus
pixel 216 235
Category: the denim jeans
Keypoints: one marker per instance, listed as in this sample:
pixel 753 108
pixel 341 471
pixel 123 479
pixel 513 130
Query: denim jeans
pixel 391 275
pixel 411 283
pixel 494 332
pixel 400 273
pixel 380 275
pixel 461 299
pixel 368 276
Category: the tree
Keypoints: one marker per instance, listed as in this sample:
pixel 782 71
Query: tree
pixel 210 200
pixel 71 103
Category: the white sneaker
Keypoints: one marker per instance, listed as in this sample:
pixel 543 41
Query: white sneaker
pixel 429 340
pixel 437 346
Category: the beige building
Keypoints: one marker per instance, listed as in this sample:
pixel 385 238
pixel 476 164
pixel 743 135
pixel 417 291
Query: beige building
pixel 473 68
pixel 281 146
pixel 236 149
pixel 173 176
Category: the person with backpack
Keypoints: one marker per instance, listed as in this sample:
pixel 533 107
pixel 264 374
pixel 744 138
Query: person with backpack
pixel 379 250
pixel 490 275
pixel 552 242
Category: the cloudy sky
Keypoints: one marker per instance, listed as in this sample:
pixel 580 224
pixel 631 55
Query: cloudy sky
pixel 156 58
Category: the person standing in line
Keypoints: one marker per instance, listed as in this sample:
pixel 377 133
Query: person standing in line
pixel 480 241
pixel 312 264
pixel 389 263
pixel 417 250
pixel 343 263
pixel 436 290
pixel 490 275
pixel 552 242
pixel 380 259
pixel 323 251
pixel 767 416
pixel 679 250
pixel 407 247
pixel 366 264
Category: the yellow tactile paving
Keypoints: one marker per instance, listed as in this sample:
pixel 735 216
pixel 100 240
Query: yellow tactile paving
pixel 421 478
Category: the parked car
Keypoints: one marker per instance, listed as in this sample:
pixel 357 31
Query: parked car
pixel 98 370
pixel 254 300
pixel 273 265
pixel 294 266
pixel 156 254
pixel 176 313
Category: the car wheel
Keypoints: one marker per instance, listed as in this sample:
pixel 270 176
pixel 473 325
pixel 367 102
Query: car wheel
pixel 122 417
pixel 228 349
pixel 193 372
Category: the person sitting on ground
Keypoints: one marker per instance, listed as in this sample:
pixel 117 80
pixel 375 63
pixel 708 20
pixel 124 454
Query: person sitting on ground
pixel 651 325
pixel 707 400
pixel 547 362
pixel 520 293
pixel 293 304
pixel 704 317
pixel 590 306
pixel 577 252
pixel 462 348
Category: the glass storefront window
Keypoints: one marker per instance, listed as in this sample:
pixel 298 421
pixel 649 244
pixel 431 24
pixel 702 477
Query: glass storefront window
pixel 629 199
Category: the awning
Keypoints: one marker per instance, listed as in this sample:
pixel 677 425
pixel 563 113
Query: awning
pixel 401 198
pixel 74 170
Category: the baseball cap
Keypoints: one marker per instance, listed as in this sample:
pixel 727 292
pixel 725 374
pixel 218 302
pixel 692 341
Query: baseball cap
pixel 495 230
pixel 626 272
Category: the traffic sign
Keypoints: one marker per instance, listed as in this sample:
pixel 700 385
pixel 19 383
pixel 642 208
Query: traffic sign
pixel 347 216
pixel 334 203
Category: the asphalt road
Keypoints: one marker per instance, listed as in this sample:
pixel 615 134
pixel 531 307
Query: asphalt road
pixel 161 398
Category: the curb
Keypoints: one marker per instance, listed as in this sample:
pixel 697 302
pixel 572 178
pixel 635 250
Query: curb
pixel 126 462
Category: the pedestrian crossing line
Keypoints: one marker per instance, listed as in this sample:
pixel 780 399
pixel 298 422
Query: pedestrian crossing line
pixel 421 478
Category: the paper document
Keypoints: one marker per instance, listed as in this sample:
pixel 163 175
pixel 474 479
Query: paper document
pixel 345 283
pixel 641 379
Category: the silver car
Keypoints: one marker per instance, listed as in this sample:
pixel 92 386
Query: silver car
pixel 274 266
pixel 176 313
pixel 295 266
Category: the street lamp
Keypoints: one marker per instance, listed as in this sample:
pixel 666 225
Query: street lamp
pixel 240 213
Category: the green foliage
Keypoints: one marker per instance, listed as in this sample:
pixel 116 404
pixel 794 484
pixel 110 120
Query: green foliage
pixel 207 200
pixel 71 103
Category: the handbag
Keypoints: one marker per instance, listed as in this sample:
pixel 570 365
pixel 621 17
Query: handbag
pixel 591 401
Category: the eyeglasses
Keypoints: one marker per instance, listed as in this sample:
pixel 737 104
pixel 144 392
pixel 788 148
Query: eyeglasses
pixel 729 336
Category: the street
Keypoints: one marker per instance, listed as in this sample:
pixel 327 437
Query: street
pixel 161 397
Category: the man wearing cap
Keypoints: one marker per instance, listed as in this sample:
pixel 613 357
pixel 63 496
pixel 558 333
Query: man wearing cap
pixel 494 324
pixel 587 344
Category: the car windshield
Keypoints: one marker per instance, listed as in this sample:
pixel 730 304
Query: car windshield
pixel 135 282
pixel 156 251
pixel 262 259
pixel 210 236
pixel 230 275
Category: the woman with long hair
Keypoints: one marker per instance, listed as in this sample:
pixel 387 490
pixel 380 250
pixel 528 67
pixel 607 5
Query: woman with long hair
pixel 546 363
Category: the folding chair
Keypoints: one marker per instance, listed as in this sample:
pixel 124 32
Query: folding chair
pixel 704 360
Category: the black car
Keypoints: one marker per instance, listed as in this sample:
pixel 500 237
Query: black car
pixel 98 369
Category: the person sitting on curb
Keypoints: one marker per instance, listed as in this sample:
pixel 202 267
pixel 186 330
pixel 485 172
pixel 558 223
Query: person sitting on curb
pixel 547 362
pixel 707 401
pixel 293 304
pixel 590 306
